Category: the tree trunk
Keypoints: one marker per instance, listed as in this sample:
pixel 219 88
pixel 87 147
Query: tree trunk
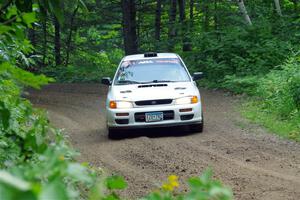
pixel 69 40
pixel 191 10
pixel 244 11
pixel 181 5
pixel 57 42
pixel 216 15
pixel 278 8
pixel 191 22
pixel 205 11
pixel 129 27
pixel 184 28
pixel 157 20
pixel 44 28
pixel 32 35
pixel 139 20
pixel 183 31
pixel 172 29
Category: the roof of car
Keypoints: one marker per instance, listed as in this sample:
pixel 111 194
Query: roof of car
pixel 142 57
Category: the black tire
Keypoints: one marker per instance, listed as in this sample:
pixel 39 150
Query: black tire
pixel 113 134
pixel 197 128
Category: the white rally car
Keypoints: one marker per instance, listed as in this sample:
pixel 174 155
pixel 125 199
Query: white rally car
pixel 153 90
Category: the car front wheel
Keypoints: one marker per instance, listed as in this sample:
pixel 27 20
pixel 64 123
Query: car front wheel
pixel 113 134
pixel 195 128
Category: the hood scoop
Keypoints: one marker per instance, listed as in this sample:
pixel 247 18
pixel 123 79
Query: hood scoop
pixel 180 88
pixel 125 91
pixel 152 85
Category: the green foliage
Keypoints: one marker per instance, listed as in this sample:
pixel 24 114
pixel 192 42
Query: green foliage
pixel 277 103
pixel 200 188
pixel 21 77
pixel 275 97
pixel 204 187
pixel 115 182
pixel 280 88
pixel 35 161
pixel 88 68
pixel 286 128
pixel 240 85
pixel 39 164
pixel 238 52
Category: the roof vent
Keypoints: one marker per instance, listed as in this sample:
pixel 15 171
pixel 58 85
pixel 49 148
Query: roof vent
pixel 150 54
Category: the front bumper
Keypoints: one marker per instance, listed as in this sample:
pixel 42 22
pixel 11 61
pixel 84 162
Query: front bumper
pixel 191 117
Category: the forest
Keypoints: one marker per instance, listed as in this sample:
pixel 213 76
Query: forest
pixel 249 48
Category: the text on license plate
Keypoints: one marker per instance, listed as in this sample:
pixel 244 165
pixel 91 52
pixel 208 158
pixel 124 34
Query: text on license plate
pixel 154 116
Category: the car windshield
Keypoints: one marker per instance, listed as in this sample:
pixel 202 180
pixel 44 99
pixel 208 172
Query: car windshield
pixel 151 71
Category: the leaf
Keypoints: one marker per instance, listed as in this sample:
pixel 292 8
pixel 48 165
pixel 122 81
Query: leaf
pixel 221 192
pixel 78 172
pixel 24 58
pixel 11 12
pixel 13 181
pixel 54 190
pixel 206 176
pixel 116 182
pixel 4 29
pixel 29 18
pixel 195 182
pixel 82 6
pixel 112 196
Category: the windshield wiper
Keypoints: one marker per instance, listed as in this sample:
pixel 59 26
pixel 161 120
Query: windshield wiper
pixel 127 82
pixel 121 82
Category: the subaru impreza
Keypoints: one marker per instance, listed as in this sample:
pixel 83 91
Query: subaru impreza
pixel 153 90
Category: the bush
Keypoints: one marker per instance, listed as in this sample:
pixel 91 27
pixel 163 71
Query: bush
pixel 280 89
pixel 35 160
pixel 276 103
pixel 237 51
pixel 240 85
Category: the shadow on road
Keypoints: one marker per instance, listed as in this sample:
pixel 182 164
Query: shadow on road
pixel 179 131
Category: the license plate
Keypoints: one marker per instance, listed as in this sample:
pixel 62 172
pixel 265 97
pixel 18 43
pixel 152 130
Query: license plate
pixel 154 116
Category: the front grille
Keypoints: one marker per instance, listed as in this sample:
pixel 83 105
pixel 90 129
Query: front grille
pixel 140 116
pixel 153 102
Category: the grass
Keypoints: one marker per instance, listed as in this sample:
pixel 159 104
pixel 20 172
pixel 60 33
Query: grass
pixel 289 129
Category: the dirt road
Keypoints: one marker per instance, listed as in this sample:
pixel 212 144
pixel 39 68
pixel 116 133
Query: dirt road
pixel 255 164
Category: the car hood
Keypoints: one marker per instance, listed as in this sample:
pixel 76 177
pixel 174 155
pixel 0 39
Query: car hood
pixel 138 92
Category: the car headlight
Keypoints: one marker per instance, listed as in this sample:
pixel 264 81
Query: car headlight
pixel 120 104
pixel 187 100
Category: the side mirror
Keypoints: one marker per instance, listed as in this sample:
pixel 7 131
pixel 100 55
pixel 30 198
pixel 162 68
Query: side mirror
pixel 197 75
pixel 106 81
